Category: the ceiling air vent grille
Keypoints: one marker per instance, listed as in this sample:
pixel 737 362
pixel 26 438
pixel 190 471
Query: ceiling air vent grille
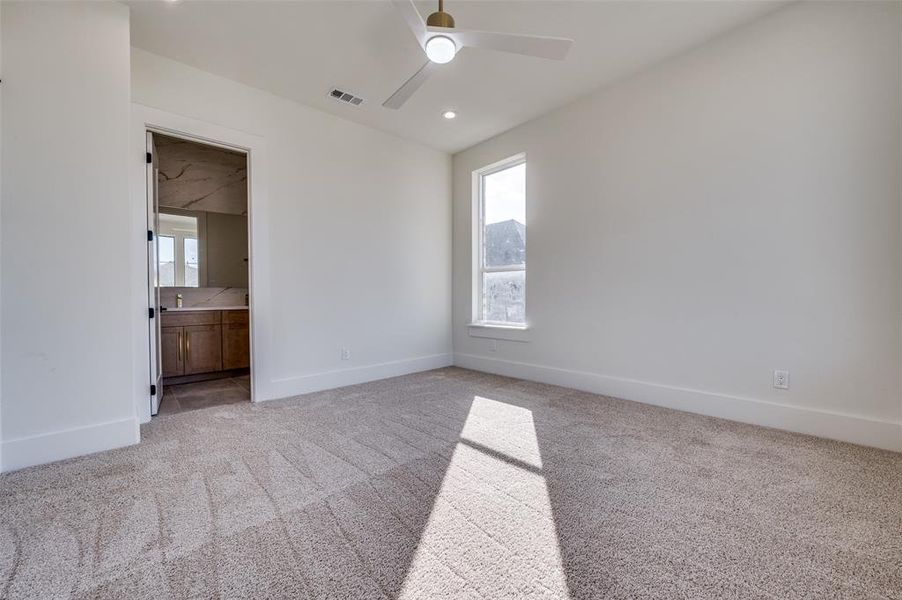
pixel 347 97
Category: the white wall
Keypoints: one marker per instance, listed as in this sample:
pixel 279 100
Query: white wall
pixel 356 225
pixel 64 223
pixel 732 211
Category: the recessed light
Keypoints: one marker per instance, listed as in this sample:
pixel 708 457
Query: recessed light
pixel 449 114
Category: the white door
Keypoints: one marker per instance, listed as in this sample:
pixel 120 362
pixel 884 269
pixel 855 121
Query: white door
pixel 153 300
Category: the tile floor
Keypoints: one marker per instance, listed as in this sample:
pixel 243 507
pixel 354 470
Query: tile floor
pixel 204 394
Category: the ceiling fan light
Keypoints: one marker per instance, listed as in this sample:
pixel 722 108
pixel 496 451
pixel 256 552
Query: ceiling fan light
pixel 440 49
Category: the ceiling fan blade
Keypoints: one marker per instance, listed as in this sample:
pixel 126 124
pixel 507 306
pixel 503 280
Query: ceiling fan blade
pixel 414 20
pixel 530 45
pixel 404 92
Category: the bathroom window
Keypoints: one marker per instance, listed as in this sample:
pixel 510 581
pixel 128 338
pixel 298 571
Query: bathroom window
pixel 500 244
pixel 166 260
pixel 179 250
pixel 192 269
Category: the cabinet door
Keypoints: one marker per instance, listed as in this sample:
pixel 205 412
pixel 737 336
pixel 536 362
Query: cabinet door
pixel 172 351
pixel 203 349
pixel 236 347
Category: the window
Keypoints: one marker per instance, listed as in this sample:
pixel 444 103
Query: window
pixel 191 263
pixel 500 252
pixel 166 260
pixel 179 251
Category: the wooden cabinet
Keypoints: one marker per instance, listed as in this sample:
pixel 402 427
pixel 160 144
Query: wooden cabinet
pixel 195 342
pixel 236 347
pixel 203 349
pixel 172 349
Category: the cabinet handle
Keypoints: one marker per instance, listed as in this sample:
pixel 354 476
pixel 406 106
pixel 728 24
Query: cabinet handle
pixel 187 346
pixel 180 345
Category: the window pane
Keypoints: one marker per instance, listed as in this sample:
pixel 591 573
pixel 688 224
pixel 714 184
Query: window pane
pixel 504 297
pixel 166 258
pixel 504 214
pixel 191 268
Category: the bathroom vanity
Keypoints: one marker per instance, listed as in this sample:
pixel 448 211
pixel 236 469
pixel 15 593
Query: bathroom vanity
pixel 197 341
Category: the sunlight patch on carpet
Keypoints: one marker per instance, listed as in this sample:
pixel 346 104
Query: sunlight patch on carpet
pixel 491 532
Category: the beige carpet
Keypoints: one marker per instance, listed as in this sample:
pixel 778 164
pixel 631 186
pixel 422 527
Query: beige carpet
pixel 455 484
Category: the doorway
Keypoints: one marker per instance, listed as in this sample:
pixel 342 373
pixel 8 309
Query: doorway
pixel 198 273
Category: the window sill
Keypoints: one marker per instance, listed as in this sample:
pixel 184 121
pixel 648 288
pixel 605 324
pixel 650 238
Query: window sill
pixel 512 333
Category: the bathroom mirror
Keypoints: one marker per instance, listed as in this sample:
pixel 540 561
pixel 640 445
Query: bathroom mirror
pixel 202 249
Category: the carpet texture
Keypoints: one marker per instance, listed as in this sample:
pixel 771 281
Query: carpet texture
pixel 456 484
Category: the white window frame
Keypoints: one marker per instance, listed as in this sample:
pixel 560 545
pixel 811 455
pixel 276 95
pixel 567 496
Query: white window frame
pixel 201 236
pixel 478 327
pixel 180 264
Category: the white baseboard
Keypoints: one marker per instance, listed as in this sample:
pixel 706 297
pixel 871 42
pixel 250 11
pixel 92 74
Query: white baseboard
pixel 305 384
pixel 828 424
pixel 58 445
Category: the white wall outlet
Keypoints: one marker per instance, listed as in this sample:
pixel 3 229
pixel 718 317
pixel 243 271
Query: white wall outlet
pixel 345 354
pixel 493 345
pixel 781 380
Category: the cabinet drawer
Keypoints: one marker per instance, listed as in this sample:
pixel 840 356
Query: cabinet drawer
pixel 235 316
pixel 198 317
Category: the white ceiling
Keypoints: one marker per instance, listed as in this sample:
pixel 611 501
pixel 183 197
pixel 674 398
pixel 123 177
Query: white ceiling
pixel 301 49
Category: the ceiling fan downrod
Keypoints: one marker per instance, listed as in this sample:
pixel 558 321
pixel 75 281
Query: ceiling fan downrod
pixel 440 18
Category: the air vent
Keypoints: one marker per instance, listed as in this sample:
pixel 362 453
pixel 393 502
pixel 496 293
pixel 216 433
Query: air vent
pixel 347 97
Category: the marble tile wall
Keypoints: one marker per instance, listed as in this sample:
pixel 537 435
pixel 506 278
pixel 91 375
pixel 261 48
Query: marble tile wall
pixel 203 297
pixel 199 177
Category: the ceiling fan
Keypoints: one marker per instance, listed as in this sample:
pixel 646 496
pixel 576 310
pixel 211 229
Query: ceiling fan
pixel 441 41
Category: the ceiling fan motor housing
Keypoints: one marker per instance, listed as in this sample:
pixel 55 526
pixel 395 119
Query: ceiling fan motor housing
pixel 440 19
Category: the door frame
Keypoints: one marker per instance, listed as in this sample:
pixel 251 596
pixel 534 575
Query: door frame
pixel 145 118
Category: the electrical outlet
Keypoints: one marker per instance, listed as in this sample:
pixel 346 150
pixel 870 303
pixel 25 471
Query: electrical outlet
pixel 345 354
pixel 493 345
pixel 781 380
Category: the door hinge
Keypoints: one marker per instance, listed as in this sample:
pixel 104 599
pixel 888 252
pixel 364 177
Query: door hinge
pixel 148 158
pixel 153 389
pixel 149 235
pixel 150 312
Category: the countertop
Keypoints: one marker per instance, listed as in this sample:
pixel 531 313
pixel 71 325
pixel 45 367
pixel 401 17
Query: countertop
pixel 197 308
